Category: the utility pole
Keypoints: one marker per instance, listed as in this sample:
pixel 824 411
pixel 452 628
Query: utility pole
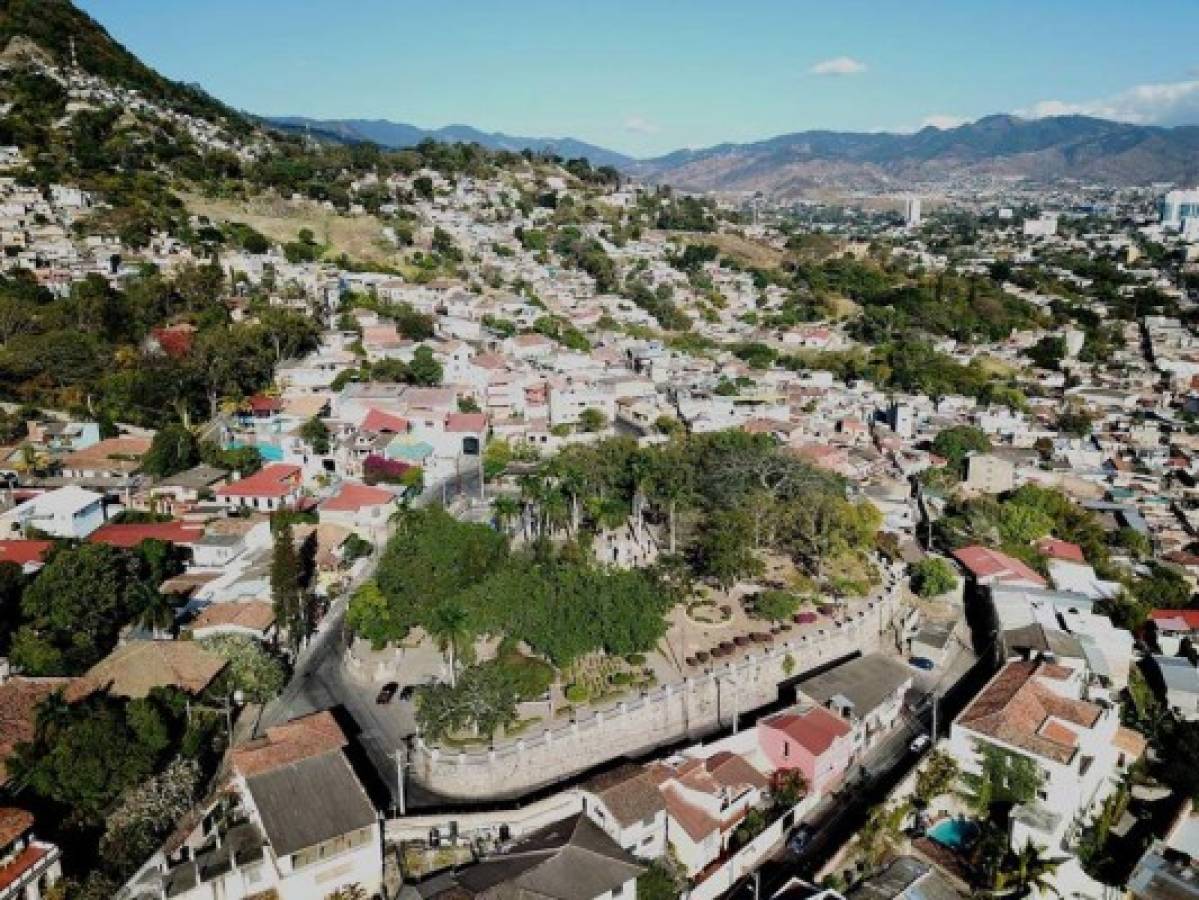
pixel 401 794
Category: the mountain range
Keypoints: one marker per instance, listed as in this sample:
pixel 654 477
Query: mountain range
pixel 1001 146
pixel 396 135
pixel 1046 150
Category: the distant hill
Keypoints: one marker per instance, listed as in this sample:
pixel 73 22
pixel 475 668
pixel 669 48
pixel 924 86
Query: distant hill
pixel 56 27
pixel 398 135
pixel 1003 146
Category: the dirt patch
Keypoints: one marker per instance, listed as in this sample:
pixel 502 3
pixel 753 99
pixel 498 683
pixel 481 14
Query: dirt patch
pixel 359 237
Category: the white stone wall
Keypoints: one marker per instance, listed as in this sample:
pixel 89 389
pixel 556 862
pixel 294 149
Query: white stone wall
pixel 666 715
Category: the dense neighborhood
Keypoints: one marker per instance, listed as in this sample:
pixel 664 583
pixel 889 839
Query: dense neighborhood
pixel 570 536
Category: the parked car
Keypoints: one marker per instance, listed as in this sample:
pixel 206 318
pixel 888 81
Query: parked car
pixel 408 692
pixel 922 662
pixel 387 692
pixel 800 838
pixel 919 742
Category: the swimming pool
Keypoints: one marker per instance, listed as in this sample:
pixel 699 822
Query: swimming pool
pixel 956 834
pixel 269 452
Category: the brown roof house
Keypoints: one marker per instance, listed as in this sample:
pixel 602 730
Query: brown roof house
pixel 136 668
pixel 568 860
pixel 628 806
pixel 1033 709
pixel 295 820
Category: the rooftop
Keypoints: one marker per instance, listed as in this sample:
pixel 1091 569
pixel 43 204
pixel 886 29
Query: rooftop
pixel 1018 708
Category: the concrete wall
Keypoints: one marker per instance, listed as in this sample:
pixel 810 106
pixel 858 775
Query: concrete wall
pixel 668 714
pixel 520 820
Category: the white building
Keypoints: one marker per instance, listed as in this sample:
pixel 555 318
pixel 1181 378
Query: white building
pixel 1034 710
pixel 1179 206
pixel 68 512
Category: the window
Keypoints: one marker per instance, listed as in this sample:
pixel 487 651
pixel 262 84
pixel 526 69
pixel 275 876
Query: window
pixel 618 890
pixel 786 749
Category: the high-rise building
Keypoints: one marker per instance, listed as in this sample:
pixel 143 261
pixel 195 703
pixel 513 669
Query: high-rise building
pixel 1177 207
pixel 911 212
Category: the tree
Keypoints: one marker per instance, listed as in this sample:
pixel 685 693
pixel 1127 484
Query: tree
pixel 251 668
pixel 592 420
pixel 424 369
pixel 449 625
pixel 1048 352
pixel 155 613
pixel 933 576
pixel 174 449
pixel 1030 871
pixel 937 776
pixel 1005 777
pixel 788 787
pixel 286 586
pixel 775 606
pixel 316 434
pixel 74 610
pixel 957 443
pixel 879 838
pixel 662 880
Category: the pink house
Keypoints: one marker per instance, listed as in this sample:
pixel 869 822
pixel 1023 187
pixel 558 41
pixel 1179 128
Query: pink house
pixel 815 741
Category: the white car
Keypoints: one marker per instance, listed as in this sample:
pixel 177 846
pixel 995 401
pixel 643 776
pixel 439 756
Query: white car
pixel 919 743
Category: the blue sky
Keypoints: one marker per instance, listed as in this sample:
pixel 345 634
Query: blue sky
pixel 649 76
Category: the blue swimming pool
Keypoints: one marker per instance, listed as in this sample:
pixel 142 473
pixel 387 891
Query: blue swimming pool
pixel 956 834
pixel 269 452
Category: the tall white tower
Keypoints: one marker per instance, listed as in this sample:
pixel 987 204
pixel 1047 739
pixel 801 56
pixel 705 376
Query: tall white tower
pixel 911 211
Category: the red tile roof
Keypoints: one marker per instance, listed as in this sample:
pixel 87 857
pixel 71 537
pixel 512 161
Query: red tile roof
pixel 1055 549
pixel 175 340
pixel 261 403
pixel 131 534
pixel 303 738
pixel 275 480
pixel 473 423
pixel 24 552
pixel 381 422
pixel 354 496
pixel 22 863
pixel 815 730
pixel 1188 619
pixel 1016 707
pixel 13 823
pixel 19 699
pixel 991 565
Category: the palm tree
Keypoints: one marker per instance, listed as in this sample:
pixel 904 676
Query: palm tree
pixel 1030 871
pixel 155 612
pixel 450 626
pixel 879 838
pixel 505 509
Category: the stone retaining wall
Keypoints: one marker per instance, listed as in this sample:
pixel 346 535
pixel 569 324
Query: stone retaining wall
pixel 665 715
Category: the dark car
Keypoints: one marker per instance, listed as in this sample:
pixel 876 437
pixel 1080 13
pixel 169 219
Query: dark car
pixel 923 662
pixel 799 838
pixel 408 692
pixel 387 692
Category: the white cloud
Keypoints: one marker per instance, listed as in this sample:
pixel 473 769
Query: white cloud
pixel 640 125
pixel 838 65
pixel 1169 103
pixel 943 121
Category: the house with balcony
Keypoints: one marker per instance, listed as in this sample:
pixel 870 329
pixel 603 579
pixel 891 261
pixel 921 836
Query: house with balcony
pixel 273 487
pixel 251 841
pixel 28 866
pixel 706 799
pixel 1036 710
